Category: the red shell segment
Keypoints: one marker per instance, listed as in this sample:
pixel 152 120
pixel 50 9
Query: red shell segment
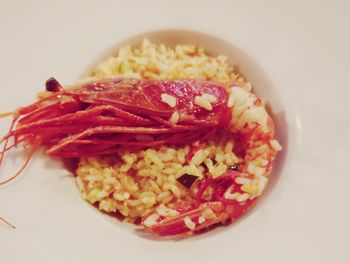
pixel 144 97
pixel 102 117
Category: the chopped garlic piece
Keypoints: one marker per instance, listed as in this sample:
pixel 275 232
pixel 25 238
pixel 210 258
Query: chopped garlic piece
pixel 201 220
pixel 230 101
pixel 208 214
pixel 151 220
pixel 167 212
pixel 262 181
pixel 255 170
pixel 205 101
pixel 168 99
pixel 209 97
pixel 174 118
pixel 230 196
pixel 242 180
pixel 250 189
pixel 189 223
pixel 242 197
pixel 276 145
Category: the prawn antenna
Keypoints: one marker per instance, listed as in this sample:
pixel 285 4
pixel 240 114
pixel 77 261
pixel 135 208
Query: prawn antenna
pixel 6 138
pixel 7 222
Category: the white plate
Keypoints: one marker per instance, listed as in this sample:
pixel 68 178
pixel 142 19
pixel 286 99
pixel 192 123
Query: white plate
pixel 297 56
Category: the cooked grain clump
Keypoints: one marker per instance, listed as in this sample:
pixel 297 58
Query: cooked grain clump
pixel 152 61
pixel 137 183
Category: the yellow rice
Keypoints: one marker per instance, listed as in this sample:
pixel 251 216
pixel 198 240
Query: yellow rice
pixel 137 183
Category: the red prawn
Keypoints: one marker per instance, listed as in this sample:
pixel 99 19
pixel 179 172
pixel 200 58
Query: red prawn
pixel 105 116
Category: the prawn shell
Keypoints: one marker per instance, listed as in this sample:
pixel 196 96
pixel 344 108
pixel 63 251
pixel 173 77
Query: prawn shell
pixel 144 96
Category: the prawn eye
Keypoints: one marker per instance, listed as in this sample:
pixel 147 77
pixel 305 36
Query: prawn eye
pixel 53 85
